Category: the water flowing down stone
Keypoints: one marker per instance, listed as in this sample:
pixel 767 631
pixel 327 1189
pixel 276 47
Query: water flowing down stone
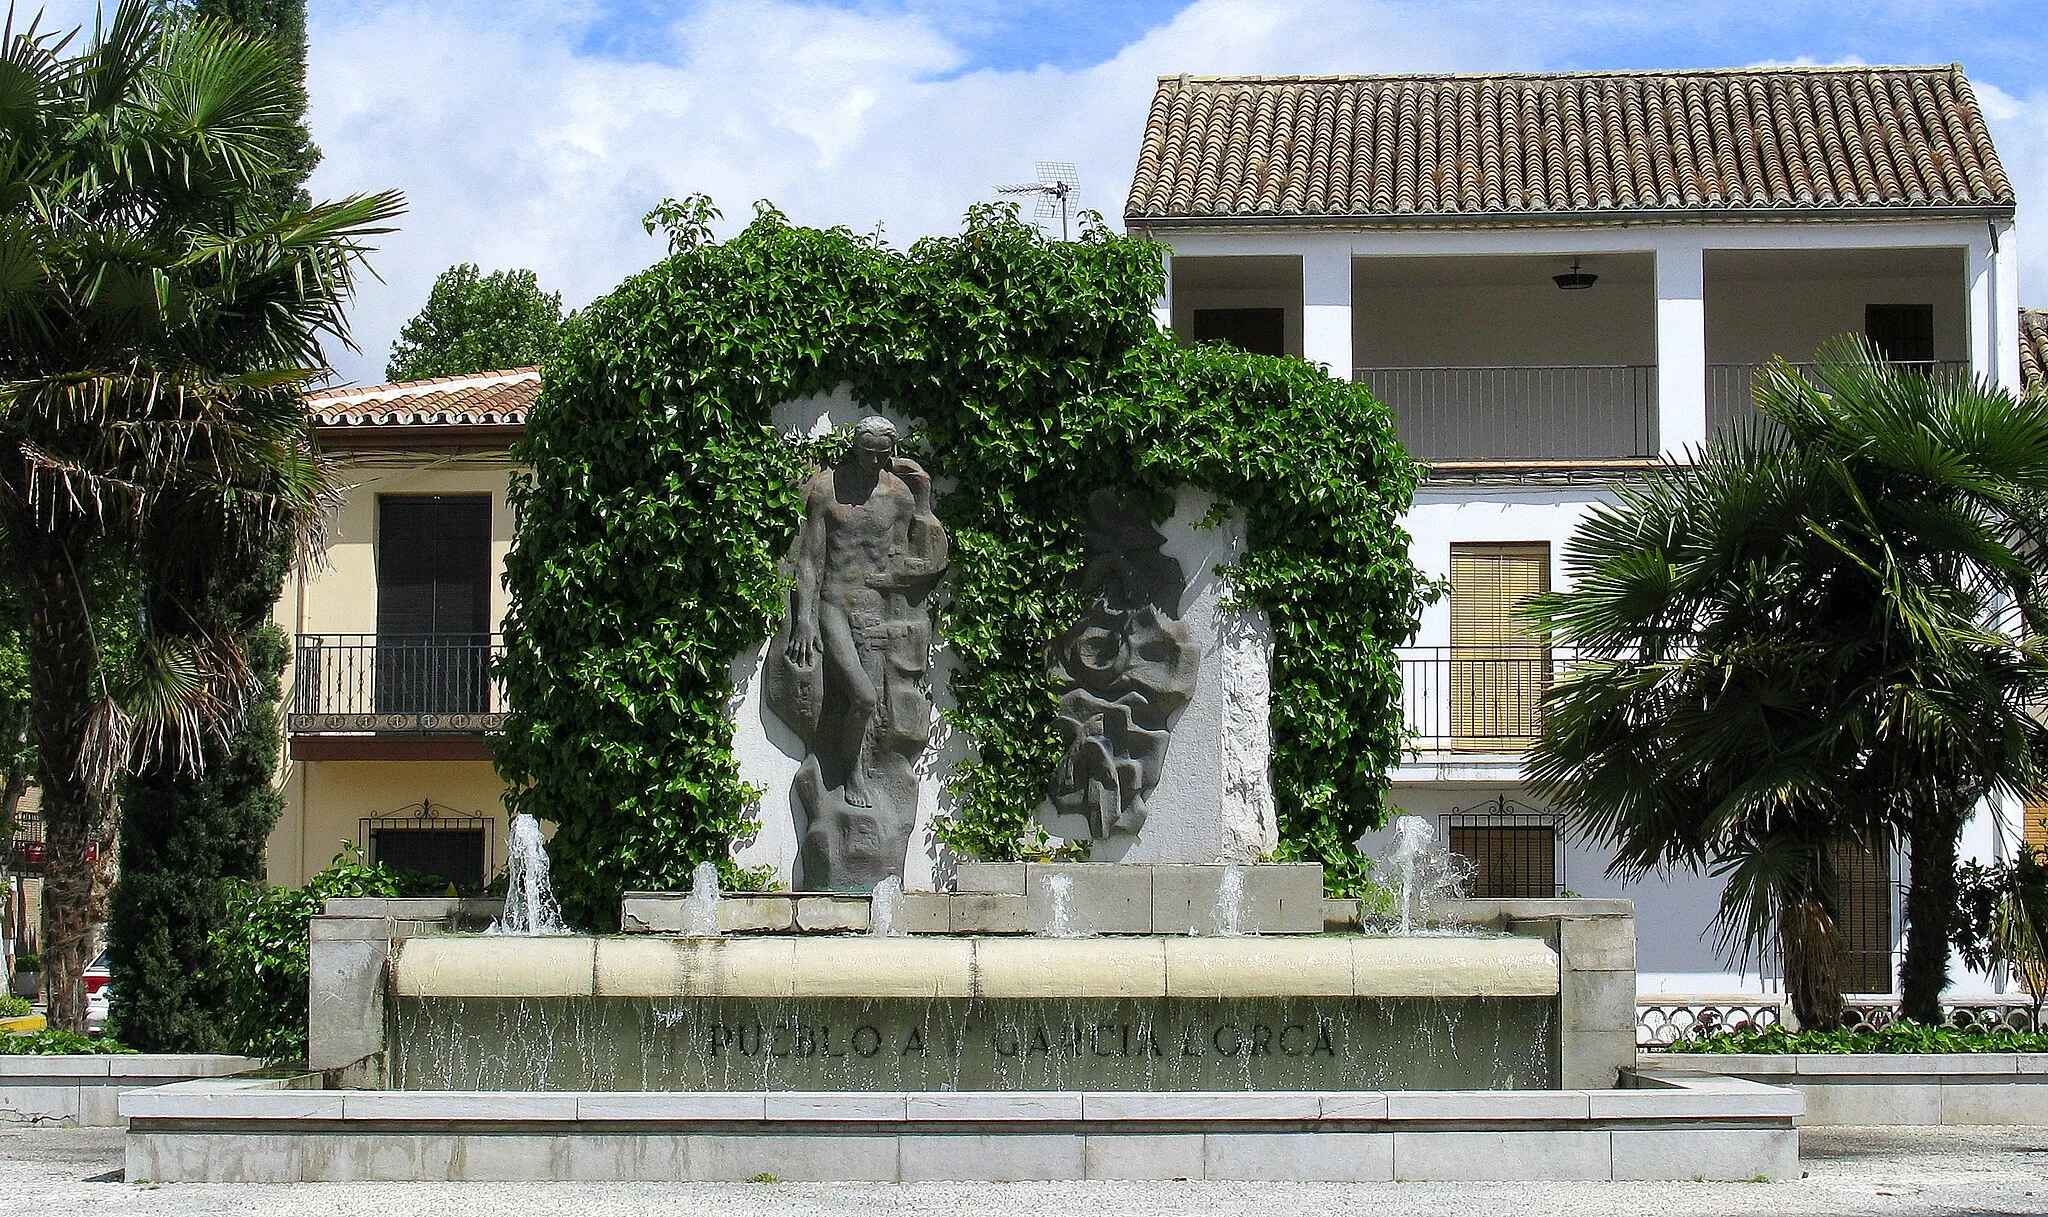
pixel 885 908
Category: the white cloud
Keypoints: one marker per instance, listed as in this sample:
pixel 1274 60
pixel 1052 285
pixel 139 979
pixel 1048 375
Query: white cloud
pixel 2019 129
pixel 516 149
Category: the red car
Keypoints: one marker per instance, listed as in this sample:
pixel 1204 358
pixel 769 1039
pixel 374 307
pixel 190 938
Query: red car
pixel 96 977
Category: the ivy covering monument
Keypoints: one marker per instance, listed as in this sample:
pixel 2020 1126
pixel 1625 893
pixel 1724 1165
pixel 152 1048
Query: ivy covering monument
pixel 662 503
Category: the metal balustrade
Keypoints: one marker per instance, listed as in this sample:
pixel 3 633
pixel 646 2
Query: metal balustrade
pixel 416 684
pixel 1477 698
pixel 1731 387
pixel 1561 412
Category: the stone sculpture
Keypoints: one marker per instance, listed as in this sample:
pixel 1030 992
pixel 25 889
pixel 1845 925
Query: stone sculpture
pixel 846 670
pixel 1123 672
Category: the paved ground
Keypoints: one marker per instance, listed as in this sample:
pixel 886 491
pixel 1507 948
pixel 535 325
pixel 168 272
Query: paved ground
pixel 1849 1171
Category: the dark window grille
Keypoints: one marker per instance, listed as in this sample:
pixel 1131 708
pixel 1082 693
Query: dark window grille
pixel 450 848
pixel 1863 913
pixel 1513 849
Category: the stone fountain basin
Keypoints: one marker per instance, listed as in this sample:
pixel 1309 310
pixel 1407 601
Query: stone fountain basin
pixel 457 966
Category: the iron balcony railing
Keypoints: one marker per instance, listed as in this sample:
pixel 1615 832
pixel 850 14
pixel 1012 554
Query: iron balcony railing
pixel 419 684
pixel 1582 412
pixel 1731 387
pixel 1477 698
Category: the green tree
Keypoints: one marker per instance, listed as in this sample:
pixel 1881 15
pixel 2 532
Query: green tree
pixel 157 311
pixel 187 830
pixel 473 322
pixel 1789 648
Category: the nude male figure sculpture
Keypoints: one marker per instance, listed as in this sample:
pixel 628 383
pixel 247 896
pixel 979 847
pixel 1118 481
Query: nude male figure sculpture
pixel 846 670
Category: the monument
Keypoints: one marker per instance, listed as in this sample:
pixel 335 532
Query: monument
pixel 1123 671
pixel 846 670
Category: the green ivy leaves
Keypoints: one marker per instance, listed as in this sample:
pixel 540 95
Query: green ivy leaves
pixel 660 502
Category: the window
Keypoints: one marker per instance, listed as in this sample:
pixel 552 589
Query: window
pixel 1863 911
pixel 2034 826
pixel 1509 861
pixel 1259 331
pixel 1499 668
pixel 1902 333
pixel 433 603
pixel 455 855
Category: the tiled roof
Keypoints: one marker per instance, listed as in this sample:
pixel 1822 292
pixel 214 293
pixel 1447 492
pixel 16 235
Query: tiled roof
pixel 487 399
pixel 1517 148
pixel 2034 347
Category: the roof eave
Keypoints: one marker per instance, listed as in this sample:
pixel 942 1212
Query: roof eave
pixel 1578 219
pixel 339 437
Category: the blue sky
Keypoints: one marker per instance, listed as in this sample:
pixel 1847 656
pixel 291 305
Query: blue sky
pixel 535 133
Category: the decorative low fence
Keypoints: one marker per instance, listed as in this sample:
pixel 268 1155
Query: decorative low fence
pixel 423 684
pixel 1664 1021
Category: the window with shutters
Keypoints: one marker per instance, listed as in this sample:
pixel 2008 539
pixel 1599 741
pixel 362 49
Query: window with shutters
pixel 433 603
pixel 1902 333
pixel 1499 668
pixel 2034 826
pixel 1864 893
pixel 451 855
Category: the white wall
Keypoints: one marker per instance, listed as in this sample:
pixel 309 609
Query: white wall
pixel 1752 320
pixel 1430 325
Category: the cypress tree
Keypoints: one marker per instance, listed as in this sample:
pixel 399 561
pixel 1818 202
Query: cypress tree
pixel 185 834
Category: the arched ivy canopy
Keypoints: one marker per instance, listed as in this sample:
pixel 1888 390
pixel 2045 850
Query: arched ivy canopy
pixel 661 500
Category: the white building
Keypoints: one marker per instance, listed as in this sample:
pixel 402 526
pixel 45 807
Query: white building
pixel 1423 234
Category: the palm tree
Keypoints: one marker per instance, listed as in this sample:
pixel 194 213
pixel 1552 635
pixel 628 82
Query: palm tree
pixel 157 312
pixel 1791 651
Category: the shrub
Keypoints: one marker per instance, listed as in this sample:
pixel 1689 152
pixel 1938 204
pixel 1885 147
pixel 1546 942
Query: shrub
pixel 262 951
pixel 14 1007
pixel 28 963
pixel 1901 1036
pixel 52 1042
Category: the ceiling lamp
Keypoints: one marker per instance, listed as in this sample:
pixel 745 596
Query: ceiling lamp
pixel 1573 280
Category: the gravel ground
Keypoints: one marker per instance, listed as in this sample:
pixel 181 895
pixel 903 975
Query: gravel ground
pixel 1849 1171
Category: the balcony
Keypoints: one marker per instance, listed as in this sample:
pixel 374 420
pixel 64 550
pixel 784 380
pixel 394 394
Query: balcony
pixel 1731 387
pixel 1555 413
pixel 417 687
pixel 1476 699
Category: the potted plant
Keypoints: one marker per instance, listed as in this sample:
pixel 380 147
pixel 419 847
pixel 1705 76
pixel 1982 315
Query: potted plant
pixel 27 980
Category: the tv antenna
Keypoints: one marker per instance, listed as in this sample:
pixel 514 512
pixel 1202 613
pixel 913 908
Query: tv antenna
pixel 1058 182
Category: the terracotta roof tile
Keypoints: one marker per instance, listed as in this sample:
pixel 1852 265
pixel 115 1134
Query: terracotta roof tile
pixel 485 399
pixel 2034 347
pixel 1499 148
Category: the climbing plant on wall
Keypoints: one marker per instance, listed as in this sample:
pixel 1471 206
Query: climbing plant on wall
pixel 661 500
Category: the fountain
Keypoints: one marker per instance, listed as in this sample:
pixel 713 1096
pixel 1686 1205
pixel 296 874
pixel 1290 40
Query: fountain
pixel 530 906
pixel 1059 918
pixel 700 908
pixel 1424 876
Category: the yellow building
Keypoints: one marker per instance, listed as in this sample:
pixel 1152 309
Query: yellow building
pixel 389 694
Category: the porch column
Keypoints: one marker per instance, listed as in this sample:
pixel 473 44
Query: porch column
pixel 1994 292
pixel 1162 308
pixel 1681 347
pixel 1326 306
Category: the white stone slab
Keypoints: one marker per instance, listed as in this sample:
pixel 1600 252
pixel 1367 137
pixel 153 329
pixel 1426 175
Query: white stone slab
pixel 458 1105
pixel 675 1106
pixel 826 1159
pixel 1144 1156
pixel 1342 1157
pixel 495 966
pixel 1202 1105
pixel 819 1105
pixel 984 1105
pixel 1461 1156
pixel 1001 1159
pixel 1706 1154
pixel 1471 1105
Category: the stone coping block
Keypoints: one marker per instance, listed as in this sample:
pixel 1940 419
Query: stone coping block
pixel 139 1068
pixel 795 966
pixel 83 1091
pixel 267 1131
pixel 1937 1066
pixel 263 1100
pixel 1884 1088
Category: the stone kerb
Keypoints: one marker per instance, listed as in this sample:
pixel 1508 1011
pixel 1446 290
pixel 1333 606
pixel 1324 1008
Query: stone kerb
pixel 83 1091
pixel 347 953
pixel 267 1131
pixel 1885 1088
